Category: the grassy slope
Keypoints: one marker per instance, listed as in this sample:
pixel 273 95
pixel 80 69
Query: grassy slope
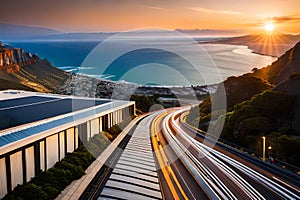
pixel 40 76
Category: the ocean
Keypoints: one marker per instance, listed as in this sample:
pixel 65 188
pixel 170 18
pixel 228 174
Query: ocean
pixel 172 62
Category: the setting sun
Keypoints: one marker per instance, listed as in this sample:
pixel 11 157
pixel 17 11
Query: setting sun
pixel 269 27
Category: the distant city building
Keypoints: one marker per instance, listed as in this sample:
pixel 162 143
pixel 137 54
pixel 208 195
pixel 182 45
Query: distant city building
pixel 37 130
pixel 168 102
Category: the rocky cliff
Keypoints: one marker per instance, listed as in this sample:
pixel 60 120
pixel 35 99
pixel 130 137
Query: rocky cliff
pixel 20 70
pixel 11 59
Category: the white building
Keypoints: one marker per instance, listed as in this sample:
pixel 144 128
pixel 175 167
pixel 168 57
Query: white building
pixel 37 130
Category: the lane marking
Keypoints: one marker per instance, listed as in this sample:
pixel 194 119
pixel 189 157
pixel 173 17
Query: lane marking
pixel 166 169
pixel 281 181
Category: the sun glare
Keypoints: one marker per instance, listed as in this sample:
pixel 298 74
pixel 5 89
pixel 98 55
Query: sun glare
pixel 269 27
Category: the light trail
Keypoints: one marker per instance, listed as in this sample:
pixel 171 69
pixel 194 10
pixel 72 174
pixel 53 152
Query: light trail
pixel 219 175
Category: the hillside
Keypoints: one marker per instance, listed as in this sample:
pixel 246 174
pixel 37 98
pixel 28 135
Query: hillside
pixel 291 87
pixel 283 68
pixel 239 89
pixel 40 76
pixel 7 84
pixel 20 32
pixel 262 103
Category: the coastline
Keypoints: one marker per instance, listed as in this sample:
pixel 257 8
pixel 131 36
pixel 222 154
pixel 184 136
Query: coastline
pixel 105 88
pixel 253 50
pixel 262 54
pixel 81 85
pixel 271 48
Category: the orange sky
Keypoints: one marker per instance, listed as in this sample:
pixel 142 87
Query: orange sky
pixel 118 15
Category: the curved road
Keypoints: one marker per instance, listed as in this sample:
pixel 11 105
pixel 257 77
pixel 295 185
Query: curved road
pixel 198 171
pixel 188 169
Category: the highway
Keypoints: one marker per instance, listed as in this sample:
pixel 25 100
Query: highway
pixel 186 168
pixel 176 180
pixel 202 172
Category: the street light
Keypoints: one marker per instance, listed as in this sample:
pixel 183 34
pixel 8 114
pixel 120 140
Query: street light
pixel 271 160
pixel 264 148
pixel 270 148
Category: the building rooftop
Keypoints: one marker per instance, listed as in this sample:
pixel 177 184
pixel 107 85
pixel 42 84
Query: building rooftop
pixel 19 111
pixel 23 114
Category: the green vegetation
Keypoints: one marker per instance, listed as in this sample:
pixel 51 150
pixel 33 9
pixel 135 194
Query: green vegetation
pixel 295 75
pixel 203 119
pixel 253 111
pixel 259 116
pixel 144 103
pixel 284 147
pixel 49 184
pixel 238 89
pixel 268 114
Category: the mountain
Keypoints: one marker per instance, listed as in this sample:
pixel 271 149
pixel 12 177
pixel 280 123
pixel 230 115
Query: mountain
pixel 208 32
pixel 11 32
pixel 19 32
pixel 268 44
pixel 77 36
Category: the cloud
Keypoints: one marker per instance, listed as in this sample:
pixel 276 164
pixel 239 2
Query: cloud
pixel 215 11
pixel 154 7
pixel 284 19
pixel 275 20
pixel 252 24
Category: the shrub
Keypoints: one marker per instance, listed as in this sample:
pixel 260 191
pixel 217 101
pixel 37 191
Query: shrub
pixel 48 184
pixel 28 191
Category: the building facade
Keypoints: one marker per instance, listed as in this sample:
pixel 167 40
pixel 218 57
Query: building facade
pixel 35 141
